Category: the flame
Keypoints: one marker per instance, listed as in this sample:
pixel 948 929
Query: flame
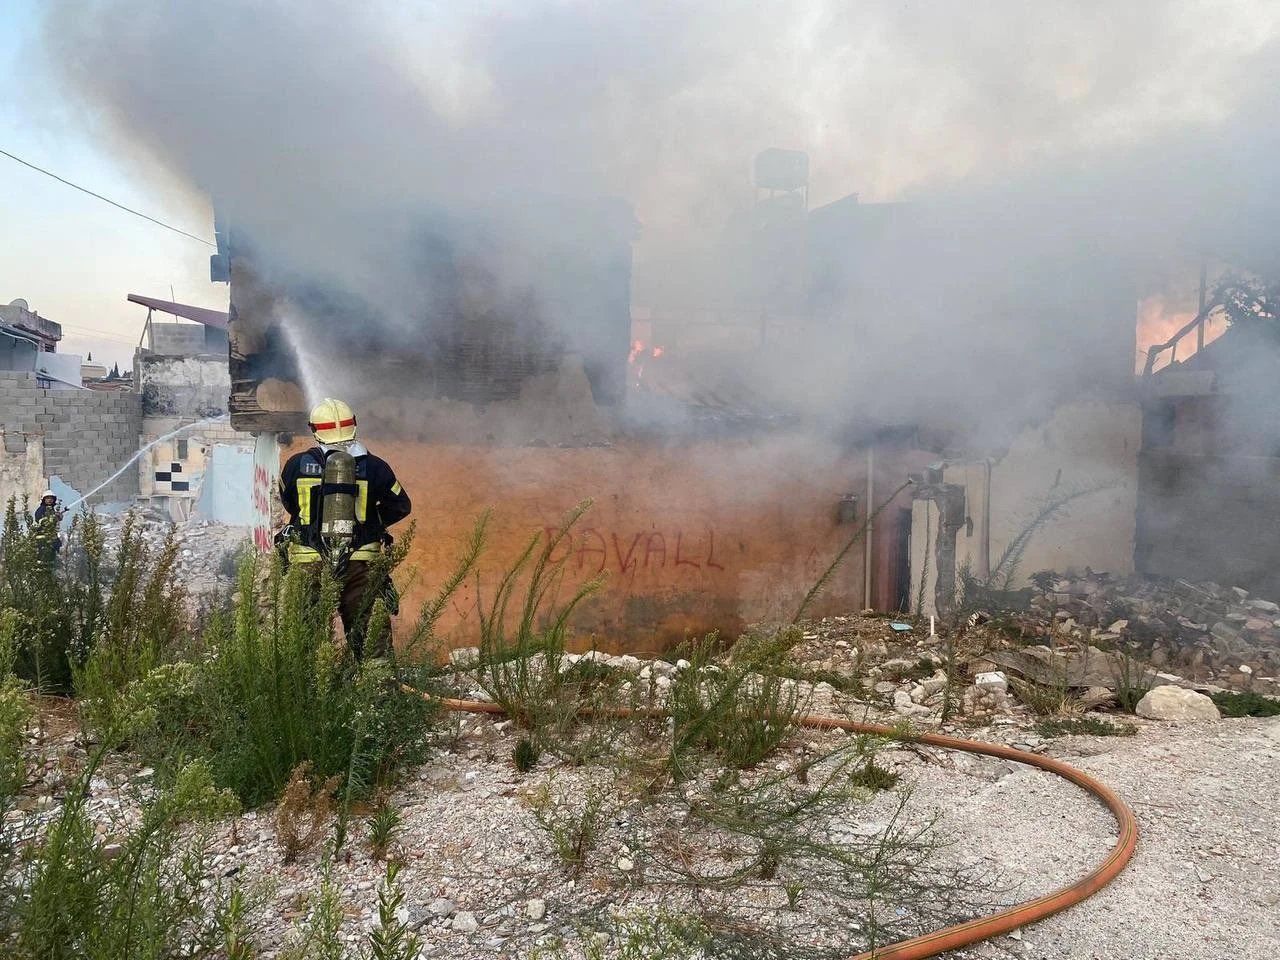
pixel 1159 319
pixel 641 352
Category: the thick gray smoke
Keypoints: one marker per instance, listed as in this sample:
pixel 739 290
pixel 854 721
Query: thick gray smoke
pixel 1057 159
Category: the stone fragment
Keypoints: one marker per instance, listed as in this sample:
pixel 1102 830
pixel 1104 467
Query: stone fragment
pixel 992 682
pixel 1176 703
pixel 934 684
pixel 441 907
pixel 536 909
pixel 903 704
pixel 1264 606
pixel 465 922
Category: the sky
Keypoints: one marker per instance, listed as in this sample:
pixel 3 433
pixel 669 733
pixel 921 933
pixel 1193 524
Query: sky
pixel 73 258
pixel 661 102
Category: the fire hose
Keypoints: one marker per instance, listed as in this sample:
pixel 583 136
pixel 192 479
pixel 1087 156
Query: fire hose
pixel 982 928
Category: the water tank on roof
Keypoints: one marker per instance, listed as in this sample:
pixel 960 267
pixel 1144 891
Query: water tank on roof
pixel 778 169
pixel 19 303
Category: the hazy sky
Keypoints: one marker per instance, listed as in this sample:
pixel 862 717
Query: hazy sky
pixel 71 257
pixel 664 103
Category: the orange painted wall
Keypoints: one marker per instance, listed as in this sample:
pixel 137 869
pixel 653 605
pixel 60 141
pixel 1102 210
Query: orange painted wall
pixel 693 536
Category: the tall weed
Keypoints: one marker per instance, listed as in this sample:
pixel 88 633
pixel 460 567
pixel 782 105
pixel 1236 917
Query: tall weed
pixel 731 709
pixel 58 601
pixel 522 671
pixel 142 897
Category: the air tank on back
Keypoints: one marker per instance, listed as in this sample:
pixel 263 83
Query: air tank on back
pixel 338 510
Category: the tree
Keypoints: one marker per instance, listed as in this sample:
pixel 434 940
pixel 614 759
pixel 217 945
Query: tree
pixel 115 372
pixel 1250 301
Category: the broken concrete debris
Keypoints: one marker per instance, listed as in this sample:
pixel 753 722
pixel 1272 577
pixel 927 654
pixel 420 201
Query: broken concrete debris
pixel 1200 629
pixel 208 552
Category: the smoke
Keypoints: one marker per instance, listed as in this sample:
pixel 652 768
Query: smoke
pixel 1051 163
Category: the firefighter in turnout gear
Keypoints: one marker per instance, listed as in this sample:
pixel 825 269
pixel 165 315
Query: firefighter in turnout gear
pixel 341 499
pixel 47 518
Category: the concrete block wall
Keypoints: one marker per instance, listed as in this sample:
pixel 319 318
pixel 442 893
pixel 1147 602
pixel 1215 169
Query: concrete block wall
pixel 87 434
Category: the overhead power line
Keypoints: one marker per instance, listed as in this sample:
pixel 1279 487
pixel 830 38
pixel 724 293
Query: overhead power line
pixel 120 206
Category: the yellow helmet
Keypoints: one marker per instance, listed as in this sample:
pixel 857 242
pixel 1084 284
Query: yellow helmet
pixel 332 421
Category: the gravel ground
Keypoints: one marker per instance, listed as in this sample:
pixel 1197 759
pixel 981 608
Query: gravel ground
pixel 1205 881
pixel 482 878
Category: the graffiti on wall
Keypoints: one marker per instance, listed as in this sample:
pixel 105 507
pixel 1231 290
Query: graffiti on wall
pixel 592 551
pixel 266 457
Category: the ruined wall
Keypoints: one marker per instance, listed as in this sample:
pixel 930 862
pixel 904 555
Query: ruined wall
pixel 1210 507
pixel 21 468
pixel 175 473
pixel 192 387
pixel 693 536
pixel 1212 518
pixel 87 435
pixel 1084 446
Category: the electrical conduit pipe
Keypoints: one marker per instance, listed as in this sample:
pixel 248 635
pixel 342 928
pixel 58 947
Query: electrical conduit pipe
pixel 982 928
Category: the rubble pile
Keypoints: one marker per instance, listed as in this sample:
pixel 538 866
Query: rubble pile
pixel 1203 629
pixel 208 551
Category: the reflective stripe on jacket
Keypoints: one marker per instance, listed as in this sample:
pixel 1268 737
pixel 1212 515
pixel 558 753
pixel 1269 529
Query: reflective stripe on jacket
pixel 380 502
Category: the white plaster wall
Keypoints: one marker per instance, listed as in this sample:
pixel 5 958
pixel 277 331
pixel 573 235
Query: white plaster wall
pixel 22 473
pixel 1085 445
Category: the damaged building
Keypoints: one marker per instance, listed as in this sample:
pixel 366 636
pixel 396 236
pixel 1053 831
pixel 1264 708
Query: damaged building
pixel 718 517
pixel 193 463
pixel 715 503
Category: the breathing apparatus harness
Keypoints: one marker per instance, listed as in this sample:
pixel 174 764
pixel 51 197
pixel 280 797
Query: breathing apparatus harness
pixel 331 528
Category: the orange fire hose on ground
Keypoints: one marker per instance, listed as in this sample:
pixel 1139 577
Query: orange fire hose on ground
pixel 982 928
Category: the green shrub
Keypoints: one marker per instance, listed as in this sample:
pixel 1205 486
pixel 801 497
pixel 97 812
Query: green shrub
pixel 872 776
pixel 141 896
pixel 1247 704
pixel 391 938
pixel 318 936
pixel 1133 681
pixel 741 715
pixel 383 829
pixel 1083 726
pixel 573 827
pixel 275 691
pixel 58 603
pixel 90 620
pixel 525 755
pixel 15 714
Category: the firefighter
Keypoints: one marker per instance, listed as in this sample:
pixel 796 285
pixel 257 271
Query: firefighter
pixel 47 518
pixel 339 511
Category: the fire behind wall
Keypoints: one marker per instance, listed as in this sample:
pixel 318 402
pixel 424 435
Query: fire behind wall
pixel 699 523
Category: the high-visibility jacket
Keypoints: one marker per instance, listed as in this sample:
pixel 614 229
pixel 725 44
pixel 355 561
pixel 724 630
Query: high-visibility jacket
pixel 380 502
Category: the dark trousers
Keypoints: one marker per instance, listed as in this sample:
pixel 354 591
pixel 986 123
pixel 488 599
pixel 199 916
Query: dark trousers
pixel 356 605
